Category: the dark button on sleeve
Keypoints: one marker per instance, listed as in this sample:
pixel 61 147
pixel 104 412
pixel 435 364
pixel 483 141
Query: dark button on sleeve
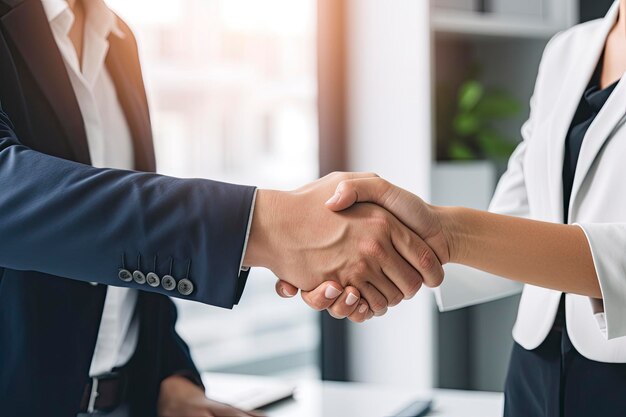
pixel 125 275
pixel 168 282
pixel 139 277
pixel 185 287
pixel 153 279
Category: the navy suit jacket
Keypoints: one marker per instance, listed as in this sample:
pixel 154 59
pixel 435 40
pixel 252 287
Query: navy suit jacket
pixel 64 224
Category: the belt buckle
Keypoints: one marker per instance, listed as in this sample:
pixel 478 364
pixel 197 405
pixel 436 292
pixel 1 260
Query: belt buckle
pixel 93 395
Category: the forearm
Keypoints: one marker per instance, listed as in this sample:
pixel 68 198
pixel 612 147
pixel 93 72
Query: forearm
pixel 72 220
pixel 549 255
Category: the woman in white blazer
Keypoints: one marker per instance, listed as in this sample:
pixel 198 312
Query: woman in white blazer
pixel 560 228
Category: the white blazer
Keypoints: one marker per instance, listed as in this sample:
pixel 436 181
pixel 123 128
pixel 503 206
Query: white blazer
pixel 532 188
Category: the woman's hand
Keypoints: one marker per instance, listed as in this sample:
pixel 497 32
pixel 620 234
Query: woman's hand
pixel 179 397
pixel 422 218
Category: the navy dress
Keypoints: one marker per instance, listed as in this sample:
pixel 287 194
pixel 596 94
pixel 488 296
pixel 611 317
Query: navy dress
pixel 554 380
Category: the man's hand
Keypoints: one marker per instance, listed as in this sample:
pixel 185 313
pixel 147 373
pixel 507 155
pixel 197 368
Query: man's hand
pixel 407 207
pixel 178 397
pixel 365 247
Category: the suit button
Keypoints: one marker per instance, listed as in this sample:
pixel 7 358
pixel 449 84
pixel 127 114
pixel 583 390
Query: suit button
pixel 153 279
pixel 185 287
pixel 139 277
pixel 168 282
pixel 125 275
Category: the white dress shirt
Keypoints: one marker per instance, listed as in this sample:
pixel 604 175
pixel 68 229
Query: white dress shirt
pixel 110 145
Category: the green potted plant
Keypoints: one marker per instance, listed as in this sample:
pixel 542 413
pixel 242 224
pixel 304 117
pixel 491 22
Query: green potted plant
pixel 473 150
pixel 475 136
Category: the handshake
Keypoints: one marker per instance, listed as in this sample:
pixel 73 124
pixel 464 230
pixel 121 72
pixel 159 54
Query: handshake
pixel 355 260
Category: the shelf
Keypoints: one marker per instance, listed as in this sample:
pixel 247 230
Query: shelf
pixel 481 24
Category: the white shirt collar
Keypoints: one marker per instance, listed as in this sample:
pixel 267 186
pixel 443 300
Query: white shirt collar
pixel 98 14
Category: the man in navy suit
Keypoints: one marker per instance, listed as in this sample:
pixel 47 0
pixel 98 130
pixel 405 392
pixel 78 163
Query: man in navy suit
pixel 93 242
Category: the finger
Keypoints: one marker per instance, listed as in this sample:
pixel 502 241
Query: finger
pixel 374 297
pixel 412 248
pixel 359 190
pixel 406 278
pixel 387 288
pixel 256 413
pixel 381 312
pixel 285 289
pixel 345 304
pixel 361 313
pixel 323 296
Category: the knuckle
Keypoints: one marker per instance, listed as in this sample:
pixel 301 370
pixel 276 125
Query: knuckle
pixel 378 305
pixel 373 248
pixel 426 260
pixel 360 271
pixel 343 186
pixel 396 299
pixel 414 287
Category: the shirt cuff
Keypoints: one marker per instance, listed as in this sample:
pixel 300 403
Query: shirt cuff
pixel 245 242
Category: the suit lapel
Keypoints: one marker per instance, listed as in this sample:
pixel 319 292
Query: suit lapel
pixel 28 28
pixel 576 80
pixel 124 68
pixel 610 119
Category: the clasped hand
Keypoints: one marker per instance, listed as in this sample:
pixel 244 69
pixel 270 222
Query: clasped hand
pixel 355 260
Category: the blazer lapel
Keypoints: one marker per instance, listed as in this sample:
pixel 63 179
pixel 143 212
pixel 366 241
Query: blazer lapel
pixel 125 70
pixel 576 80
pixel 610 119
pixel 27 26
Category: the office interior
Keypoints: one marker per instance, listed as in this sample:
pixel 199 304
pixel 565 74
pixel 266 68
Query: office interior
pixel 279 92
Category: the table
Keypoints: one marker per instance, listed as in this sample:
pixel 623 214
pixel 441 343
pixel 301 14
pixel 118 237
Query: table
pixel 345 399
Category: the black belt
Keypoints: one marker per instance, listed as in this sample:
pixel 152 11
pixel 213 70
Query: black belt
pixel 105 392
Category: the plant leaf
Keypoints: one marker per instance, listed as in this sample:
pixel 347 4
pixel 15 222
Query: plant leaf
pixel 494 145
pixel 470 94
pixel 497 105
pixel 460 151
pixel 466 124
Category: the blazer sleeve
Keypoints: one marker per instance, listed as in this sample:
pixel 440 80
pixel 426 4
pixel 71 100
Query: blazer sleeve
pixel 607 242
pixel 75 221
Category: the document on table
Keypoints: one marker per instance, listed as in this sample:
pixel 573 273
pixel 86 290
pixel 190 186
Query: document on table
pixel 464 286
pixel 255 393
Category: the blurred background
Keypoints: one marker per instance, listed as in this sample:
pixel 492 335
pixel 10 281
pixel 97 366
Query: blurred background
pixel 429 94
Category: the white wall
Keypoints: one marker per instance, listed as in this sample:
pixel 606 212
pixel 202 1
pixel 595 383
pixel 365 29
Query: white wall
pixel 390 133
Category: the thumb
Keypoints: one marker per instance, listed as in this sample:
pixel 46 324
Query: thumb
pixel 362 190
pixel 285 289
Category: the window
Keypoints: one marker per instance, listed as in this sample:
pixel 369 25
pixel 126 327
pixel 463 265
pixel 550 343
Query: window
pixel 232 88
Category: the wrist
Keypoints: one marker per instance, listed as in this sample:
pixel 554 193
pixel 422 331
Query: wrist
pixel 453 232
pixel 261 248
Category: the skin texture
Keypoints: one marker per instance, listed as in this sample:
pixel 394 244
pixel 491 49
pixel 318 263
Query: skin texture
pixel 549 255
pixel 364 247
pixel 463 223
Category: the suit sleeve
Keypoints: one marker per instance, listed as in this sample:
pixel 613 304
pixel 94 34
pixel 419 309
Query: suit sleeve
pixel 607 242
pixel 79 222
